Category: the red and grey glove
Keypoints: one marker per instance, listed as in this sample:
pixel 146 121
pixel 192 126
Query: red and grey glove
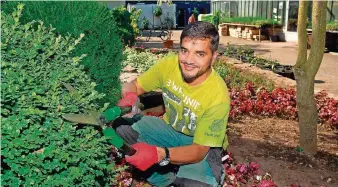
pixel 129 99
pixel 145 156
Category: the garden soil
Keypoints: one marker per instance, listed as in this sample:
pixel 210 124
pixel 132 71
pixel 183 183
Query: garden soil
pixel 272 143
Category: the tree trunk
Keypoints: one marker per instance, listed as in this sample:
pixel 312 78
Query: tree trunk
pixel 306 69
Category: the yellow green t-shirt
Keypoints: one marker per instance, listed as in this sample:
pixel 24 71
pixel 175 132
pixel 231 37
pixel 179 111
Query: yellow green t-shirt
pixel 200 111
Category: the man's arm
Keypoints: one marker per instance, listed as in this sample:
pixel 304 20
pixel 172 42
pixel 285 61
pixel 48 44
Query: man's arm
pixel 211 133
pixel 132 87
pixel 184 154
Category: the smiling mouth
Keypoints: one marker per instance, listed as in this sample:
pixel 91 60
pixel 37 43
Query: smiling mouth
pixel 189 67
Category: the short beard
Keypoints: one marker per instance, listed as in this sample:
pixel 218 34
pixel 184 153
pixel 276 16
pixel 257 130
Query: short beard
pixel 191 79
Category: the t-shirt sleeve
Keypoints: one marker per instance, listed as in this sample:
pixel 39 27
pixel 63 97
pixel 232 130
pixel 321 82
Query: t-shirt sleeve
pixel 153 78
pixel 211 127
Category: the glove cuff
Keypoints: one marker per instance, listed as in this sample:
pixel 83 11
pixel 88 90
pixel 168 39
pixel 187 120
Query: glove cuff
pixel 112 137
pixel 111 114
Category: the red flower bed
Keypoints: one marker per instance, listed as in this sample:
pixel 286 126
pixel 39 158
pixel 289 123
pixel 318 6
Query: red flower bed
pixel 248 174
pixel 280 102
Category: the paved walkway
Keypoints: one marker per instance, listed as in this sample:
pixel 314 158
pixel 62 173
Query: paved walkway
pixel 284 52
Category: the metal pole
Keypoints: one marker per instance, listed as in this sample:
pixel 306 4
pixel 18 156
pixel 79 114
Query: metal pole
pixel 331 11
pixel 152 13
pixel 286 16
pixel 229 9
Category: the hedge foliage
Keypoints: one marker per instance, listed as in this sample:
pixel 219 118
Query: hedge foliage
pixel 101 43
pixel 258 21
pixel 38 147
pixel 123 20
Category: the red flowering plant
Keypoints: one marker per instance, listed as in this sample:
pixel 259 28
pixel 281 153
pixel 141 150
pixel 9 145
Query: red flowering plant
pixel 280 102
pixel 247 174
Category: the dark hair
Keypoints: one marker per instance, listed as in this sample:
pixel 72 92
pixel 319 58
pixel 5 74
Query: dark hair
pixel 201 30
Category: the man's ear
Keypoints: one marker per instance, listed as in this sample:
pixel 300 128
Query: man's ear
pixel 214 57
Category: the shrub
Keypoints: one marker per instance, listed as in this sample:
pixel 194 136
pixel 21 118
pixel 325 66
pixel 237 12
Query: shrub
pixel 207 18
pixel 258 21
pixel 216 18
pixel 242 53
pixel 101 43
pixel 123 19
pixel 145 23
pixel 212 18
pixel 141 61
pixel 234 78
pixel 135 16
pixel 157 11
pixel 195 12
pixel 38 148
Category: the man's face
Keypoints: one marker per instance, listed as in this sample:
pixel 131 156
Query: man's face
pixel 195 59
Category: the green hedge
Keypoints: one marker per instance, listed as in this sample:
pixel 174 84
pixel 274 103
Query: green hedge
pixel 123 19
pixel 135 17
pixel 101 43
pixel 211 18
pixel 38 147
pixel 207 18
pixel 250 21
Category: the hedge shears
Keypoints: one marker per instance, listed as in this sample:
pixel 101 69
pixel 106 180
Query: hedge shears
pixel 107 119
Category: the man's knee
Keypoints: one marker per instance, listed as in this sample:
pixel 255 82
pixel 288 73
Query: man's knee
pixel 127 133
pixel 184 182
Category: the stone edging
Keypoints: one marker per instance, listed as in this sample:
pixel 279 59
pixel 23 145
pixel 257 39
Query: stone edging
pixel 279 80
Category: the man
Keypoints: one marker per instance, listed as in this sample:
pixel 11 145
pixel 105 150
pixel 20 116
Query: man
pixel 192 133
pixel 191 19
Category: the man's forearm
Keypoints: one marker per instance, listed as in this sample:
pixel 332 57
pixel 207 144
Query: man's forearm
pixel 132 87
pixel 128 87
pixel 185 154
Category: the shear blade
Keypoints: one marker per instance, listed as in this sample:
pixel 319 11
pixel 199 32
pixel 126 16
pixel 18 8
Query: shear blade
pixel 82 119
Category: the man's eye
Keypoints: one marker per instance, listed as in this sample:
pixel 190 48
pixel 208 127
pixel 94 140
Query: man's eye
pixel 183 51
pixel 200 54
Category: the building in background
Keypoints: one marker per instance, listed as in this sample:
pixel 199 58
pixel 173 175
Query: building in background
pixel 181 12
pixel 168 12
pixel 184 10
pixel 284 11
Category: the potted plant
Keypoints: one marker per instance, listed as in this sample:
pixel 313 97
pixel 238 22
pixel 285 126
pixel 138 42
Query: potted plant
pixel 284 70
pixel 157 11
pixel 331 38
pixel 168 43
pixel 145 23
pixel 274 37
pixel 292 24
pixel 195 12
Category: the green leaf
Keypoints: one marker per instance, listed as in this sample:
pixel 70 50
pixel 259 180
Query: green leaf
pixel 38 146
pixel 299 149
pixel 75 172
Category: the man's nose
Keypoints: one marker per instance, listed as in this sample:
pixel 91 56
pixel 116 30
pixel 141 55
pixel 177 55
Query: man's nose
pixel 190 58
